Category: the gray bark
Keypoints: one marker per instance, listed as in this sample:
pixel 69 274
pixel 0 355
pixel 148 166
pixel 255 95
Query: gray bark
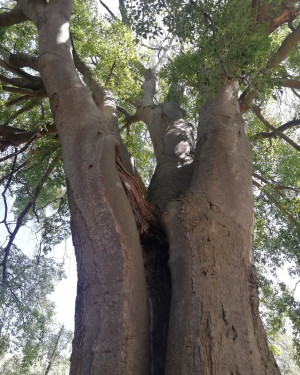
pixel 173 143
pixel 215 326
pixel 111 322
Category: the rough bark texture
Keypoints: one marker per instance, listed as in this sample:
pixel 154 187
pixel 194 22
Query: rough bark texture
pixel 173 142
pixel 214 322
pixel 111 322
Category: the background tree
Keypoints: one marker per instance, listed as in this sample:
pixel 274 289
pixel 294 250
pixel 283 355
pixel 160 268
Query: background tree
pixel 189 246
pixel 50 355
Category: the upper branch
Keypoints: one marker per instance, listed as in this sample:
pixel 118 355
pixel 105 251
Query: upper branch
pixel 289 42
pixel 34 84
pixel 21 60
pixel 13 17
pixel 128 117
pixel 123 11
pixel 258 113
pixel 291 83
pixel 275 15
pixel 108 10
pixel 10 136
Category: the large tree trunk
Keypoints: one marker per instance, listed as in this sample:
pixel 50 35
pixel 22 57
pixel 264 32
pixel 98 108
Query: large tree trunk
pixel 215 326
pixel 111 321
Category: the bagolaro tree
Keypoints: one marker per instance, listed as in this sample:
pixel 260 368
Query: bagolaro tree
pixel 167 282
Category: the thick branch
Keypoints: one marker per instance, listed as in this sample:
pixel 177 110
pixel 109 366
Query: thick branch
pixel 18 152
pixel 124 15
pixel 129 118
pixel 21 60
pixel 287 14
pixel 284 127
pixel 289 42
pixel 291 83
pixel 17 100
pixel 12 17
pixel 149 87
pixel 9 68
pixel 246 99
pixel 34 84
pixel 96 87
pixel 32 93
pixel 12 137
pixel 108 10
pixel 275 14
pixel 258 113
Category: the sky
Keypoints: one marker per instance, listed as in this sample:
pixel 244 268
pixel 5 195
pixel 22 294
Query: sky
pixel 64 294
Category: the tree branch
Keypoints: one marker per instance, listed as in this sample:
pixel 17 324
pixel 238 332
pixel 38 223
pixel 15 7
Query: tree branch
pixel 129 118
pixel 291 83
pixel 53 354
pixel 2 179
pixel 274 185
pixel 35 84
pixel 108 10
pixel 21 60
pixel 13 17
pixel 17 100
pixel 284 127
pixel 97 89
pixel 289 42
pixel 295 93
pixel 11 137
pixel 124 15
pixel 275 14
pixel 288 14
pixel 32 93
pixel 5 189
pixel 18 152
pixel 258 113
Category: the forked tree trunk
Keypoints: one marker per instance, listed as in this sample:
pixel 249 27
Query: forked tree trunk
pixel 206 207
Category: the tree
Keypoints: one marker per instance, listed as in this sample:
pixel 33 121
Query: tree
pixel 48 356
pixel 166 284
